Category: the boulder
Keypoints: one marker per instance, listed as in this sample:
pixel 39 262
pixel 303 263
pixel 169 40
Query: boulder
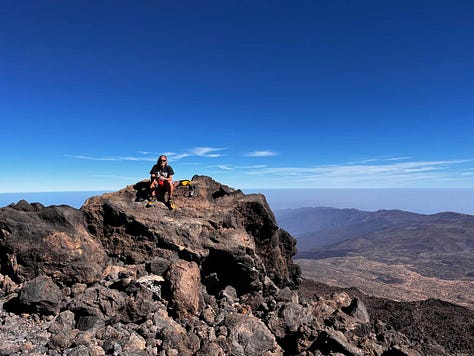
pixel 52 241
pixel 184 283
pixel 249 336
pixel 40 295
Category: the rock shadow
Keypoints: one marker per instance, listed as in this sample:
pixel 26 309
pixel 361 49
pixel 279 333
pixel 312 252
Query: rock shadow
pixel 143 190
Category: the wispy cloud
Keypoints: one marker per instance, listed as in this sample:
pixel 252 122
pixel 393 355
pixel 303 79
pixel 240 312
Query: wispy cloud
pixel 391 173
pixel 225 167
pixel 381 159
pixel 210 152
pixel 377 172
pixel 261 154
pixel 256 166
pixel 405 167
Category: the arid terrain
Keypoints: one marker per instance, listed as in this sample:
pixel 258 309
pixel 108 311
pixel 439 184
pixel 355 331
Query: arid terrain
pixel 396 282
pixel 392 254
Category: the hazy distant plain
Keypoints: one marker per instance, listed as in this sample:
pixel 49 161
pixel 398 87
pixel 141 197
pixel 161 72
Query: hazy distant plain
pixel 423 201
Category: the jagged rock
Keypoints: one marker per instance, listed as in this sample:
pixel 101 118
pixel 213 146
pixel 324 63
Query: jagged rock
pixel 40 295
pixel 175 339
pixel 249 336
pixel 357 309
pixel 141 303
pixel 211 348
pixel 287 295
pixel 230 235
pixel 51 241
pixel 97 303
pixel 287 320
pixel 62 339
pixel 135 344
pixel 184 285
pixel 7 286
pixel 63 331
pixel 230 294
pixel 64 321
pixel 159 265
pixel 334 341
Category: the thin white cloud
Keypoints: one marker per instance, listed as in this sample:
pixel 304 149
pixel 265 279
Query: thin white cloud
pixel 225 167
pixel 398 158
pixel 210 152
pixel 229 167
pixel 261 154
pixel 381 159
pixel 389 174
pixel 377 172
pixel 256 166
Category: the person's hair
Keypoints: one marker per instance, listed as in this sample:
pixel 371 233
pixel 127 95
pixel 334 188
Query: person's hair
pixel 160 158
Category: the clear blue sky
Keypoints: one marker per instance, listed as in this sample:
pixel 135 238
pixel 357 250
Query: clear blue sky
pixel 256 94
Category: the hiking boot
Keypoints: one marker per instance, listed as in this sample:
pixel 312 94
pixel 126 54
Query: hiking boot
pixel 171 204
pixel 150 203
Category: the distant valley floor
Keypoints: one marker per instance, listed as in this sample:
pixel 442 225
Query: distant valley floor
pixel 392 281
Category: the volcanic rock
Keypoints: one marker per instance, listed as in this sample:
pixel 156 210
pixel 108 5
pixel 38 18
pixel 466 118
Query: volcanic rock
pixel 51 241
pixel 40 295
pixel 214 276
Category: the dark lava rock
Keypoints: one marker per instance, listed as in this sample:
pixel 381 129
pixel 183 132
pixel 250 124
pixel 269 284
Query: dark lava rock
pixel 51 241
pixel 214 276
pixel 40 295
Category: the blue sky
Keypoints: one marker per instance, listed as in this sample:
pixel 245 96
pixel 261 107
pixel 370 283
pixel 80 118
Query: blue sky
pixel 256 94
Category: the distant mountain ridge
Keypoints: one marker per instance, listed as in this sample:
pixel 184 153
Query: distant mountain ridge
pixel 328 232
pixel 424 256
pixel 320 226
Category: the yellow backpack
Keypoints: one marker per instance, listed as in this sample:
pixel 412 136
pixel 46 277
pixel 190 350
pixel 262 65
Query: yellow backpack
pixel 187 183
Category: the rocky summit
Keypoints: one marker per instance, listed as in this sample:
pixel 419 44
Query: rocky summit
pixel 214 276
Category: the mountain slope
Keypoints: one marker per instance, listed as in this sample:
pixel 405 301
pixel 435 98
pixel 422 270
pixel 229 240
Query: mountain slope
pixel 440 245
pixel 320 226
pixel 388 253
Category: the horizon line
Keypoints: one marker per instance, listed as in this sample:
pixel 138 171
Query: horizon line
pixel 247 189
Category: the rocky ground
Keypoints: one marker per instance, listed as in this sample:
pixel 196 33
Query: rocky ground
pixel 433 325
pixel 213 277
pixel 390 281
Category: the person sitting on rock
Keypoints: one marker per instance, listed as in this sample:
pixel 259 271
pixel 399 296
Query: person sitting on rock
pixel 161 177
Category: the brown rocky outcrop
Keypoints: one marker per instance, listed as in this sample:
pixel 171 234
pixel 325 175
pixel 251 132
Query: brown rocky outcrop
pixel 215 276
pixel 52 241
pixel 233 237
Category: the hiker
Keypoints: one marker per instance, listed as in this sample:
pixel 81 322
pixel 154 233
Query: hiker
pixel 161 177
